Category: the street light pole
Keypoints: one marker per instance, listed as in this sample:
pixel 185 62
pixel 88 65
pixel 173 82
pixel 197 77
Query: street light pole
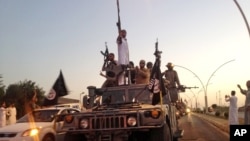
pixel 196 97
pixel 206 103
pixel 190 101
pixel 203 86
pixel 243 15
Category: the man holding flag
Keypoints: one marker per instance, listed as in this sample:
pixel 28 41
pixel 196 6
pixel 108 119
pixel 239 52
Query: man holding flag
pixel 156 85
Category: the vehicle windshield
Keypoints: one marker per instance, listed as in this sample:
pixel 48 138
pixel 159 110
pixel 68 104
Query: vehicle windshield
pixel 39 116
pixel 131 95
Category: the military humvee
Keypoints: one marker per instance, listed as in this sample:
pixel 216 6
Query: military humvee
pixel 122 113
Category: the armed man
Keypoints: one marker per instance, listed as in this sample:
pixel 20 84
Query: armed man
pixel 172 82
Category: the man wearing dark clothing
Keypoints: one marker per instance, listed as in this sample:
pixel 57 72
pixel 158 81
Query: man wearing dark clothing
pixel 172 82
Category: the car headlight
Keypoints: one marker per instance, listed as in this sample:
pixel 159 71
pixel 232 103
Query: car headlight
pixel 131 121
pixel 31 132
pixel 84 123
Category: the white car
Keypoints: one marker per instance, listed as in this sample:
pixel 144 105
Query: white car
pixel 36 126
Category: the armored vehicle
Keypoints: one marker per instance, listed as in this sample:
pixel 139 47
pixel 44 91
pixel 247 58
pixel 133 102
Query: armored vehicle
pixel 123 113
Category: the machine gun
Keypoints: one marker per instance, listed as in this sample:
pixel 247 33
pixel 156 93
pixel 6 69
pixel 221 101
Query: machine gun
pixel 183 88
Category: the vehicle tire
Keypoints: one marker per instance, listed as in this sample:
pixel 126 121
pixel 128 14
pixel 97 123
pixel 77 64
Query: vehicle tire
pixel 161 134
pixel 74 137
pixel 49 138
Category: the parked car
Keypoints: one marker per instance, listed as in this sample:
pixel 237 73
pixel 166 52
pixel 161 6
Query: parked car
pixel 71 105
pixel 37 125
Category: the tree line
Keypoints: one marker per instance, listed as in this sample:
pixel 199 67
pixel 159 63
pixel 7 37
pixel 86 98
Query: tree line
pixel 26 95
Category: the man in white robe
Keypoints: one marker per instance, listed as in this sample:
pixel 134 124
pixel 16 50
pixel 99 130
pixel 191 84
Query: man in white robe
pixel 247 102
pixel 123 53
pixel 2 115
pixel 12 114
pixel 233 109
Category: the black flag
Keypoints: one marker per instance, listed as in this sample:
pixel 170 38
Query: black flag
pixel 156 85
pixel 59 89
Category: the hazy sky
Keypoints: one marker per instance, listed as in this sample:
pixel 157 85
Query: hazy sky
pixel 40 38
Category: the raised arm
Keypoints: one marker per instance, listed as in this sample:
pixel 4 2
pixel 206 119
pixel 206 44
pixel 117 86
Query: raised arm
pixel 241 90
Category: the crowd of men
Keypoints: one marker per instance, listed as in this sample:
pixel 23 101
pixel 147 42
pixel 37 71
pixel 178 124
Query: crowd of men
pixel 123 71
pixel 7 115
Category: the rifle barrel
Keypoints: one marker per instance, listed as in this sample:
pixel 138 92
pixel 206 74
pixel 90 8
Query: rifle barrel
pixel 119 21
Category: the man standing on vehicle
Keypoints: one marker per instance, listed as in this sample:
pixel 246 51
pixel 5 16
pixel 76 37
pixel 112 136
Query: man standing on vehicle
pixel 172 82
pixel 123 53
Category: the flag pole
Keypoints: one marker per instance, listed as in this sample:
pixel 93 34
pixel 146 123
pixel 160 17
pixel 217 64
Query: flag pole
pixel 160 82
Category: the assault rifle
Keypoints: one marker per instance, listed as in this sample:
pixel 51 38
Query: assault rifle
pixel 106 53
pixel 119 21
pixel 157 53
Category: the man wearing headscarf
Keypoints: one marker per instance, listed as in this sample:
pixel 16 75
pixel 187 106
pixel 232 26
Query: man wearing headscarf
pixel 172 82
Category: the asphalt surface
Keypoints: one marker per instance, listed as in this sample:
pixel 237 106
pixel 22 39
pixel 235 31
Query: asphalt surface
pixel 197 128
pixel 219 122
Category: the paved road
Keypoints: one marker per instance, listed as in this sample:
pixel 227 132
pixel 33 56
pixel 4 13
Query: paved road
pixel 197 129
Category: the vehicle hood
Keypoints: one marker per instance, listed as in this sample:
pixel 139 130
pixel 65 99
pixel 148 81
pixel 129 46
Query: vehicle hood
pixel 122 107
pixel 19 127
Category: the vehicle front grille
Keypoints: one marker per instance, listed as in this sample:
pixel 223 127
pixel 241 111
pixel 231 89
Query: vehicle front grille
pixel 7 135
pixel 109 122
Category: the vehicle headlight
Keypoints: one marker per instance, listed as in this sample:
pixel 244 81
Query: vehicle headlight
pixel 187 110
pixel 84 123
pixel 131 121
pixel 68 118
pixel 30 132
pixel 154 113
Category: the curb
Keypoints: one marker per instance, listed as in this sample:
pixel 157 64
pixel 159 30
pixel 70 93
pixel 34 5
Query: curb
pixel 219 123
